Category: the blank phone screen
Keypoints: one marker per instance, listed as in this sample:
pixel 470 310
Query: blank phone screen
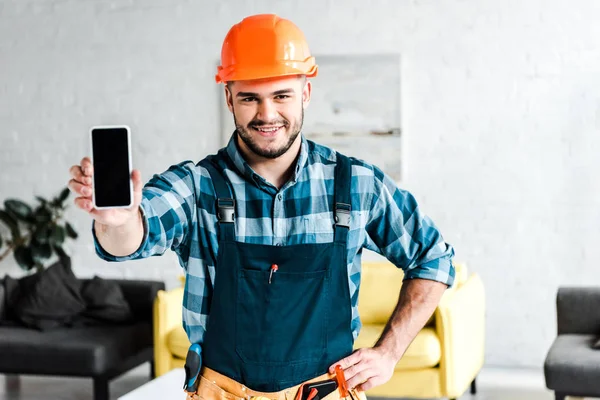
pixel 110 155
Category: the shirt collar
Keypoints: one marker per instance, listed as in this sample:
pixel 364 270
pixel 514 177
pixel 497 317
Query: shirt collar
pixel 243 168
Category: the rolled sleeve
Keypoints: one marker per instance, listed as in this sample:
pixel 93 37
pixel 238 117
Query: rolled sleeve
pixel 441 270
pixel 405 236
pixel 168 209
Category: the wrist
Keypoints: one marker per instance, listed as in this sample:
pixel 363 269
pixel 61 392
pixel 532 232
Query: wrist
pixel 133 219
pixel 390 348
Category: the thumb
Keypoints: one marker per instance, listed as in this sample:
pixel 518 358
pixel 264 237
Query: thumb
pixel 136 178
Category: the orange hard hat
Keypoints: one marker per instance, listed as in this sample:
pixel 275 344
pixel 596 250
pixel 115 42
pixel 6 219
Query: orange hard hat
pixel 264 46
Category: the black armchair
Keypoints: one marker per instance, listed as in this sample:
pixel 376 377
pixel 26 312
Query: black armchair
pixel 572 366
pixel 99 352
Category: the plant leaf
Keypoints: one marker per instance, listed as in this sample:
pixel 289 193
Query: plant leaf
pixel 64 194
pixel 60 252
pixel 71 232
pixel 43 234
pixel 58 235
pixel 41 200
pixel 1 242
pixel 39 267
pixel 11 223
pixel 18 208
pixel 24 258
pixel 42 214
pixel 40 251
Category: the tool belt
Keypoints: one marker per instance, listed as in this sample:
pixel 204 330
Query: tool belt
pixel 215 386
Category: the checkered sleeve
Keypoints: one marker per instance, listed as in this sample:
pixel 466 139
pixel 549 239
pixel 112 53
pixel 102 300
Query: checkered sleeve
pixel 168 209
pixel 405 236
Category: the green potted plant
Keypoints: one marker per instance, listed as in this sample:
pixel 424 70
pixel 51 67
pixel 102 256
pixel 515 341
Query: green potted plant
pixel 36 233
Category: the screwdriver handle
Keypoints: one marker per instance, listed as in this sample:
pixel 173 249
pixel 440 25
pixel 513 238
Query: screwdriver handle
pixel 339 373
pixel 193 362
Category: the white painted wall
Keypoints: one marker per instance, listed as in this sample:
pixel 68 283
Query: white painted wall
pixel 501 112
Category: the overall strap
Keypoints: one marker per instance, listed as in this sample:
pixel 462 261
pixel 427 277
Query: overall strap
pixel 225 203
pixel 341 196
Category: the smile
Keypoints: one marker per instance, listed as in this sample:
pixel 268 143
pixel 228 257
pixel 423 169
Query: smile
pixel 267 131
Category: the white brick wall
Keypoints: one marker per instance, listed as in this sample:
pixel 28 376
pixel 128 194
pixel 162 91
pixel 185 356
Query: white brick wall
pixel 501 112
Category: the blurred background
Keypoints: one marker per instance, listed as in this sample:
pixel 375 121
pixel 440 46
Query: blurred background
pixel 500 122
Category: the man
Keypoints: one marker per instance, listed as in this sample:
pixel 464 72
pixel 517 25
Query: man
pixel 270 232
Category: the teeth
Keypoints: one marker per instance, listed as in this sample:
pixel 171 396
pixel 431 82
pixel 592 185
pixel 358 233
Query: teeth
pixel 268 129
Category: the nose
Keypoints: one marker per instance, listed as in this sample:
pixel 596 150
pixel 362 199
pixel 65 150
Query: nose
pixel 267 111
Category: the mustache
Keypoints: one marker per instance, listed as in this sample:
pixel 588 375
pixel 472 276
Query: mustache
pixel 258 123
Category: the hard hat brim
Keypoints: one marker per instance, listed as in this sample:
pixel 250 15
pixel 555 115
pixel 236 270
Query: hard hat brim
pixel 252 73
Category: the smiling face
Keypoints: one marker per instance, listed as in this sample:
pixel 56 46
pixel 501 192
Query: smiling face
pixel 268 113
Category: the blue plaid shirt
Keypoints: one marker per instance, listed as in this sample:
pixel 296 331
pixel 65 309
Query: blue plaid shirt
pixel 178 208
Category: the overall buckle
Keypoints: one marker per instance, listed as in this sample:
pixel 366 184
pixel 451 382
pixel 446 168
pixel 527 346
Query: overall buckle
pixel 226 210
pixel 342 214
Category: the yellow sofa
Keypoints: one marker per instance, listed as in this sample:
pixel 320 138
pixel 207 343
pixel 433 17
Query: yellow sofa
pixel 442 361
pixel 446 356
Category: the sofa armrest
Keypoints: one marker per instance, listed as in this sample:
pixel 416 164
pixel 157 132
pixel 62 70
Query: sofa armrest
pixel 167 317
pixel 140 295
pixel 460 324
pixel 578 310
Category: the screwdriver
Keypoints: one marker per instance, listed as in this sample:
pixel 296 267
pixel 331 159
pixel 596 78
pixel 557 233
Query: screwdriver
pixel 339 373
pixel 192 368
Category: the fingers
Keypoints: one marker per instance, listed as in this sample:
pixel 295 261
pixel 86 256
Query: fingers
pixel 86 166
pixel 369 384
pixel 77 174
pixel 346 362
pixel 81 174
pixel 85 203
pixel 359 378
pixel 356 374
pixel 81 184
pixel 80 189
pixel 136 178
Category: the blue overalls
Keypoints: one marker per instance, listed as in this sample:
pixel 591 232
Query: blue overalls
pixel 271 330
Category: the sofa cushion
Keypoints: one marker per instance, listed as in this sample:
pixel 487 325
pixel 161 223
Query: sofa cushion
pixel 84 351
pixel 50 298
pixel 178 342
pixel 424 352
pixel 572 365
pixel 105 301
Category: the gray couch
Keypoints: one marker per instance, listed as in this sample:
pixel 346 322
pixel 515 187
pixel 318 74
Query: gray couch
pixel 572 366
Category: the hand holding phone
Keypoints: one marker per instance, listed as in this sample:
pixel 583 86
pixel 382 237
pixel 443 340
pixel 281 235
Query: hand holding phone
pixel 108 189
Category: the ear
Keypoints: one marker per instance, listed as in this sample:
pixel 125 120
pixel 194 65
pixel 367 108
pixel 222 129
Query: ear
pixel 229 98
pixel 306 91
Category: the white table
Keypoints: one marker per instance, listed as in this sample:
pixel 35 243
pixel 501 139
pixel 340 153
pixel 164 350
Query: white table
pixel 168 386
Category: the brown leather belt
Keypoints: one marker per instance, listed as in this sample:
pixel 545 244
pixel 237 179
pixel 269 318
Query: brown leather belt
pixel 215 386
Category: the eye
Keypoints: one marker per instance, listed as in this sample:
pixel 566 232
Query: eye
pixel 248 99
pixel 282 97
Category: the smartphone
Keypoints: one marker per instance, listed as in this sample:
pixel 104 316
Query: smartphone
pixel 111 158
pixel 323 388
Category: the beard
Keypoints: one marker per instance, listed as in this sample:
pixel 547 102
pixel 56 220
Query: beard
pixel 246 136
